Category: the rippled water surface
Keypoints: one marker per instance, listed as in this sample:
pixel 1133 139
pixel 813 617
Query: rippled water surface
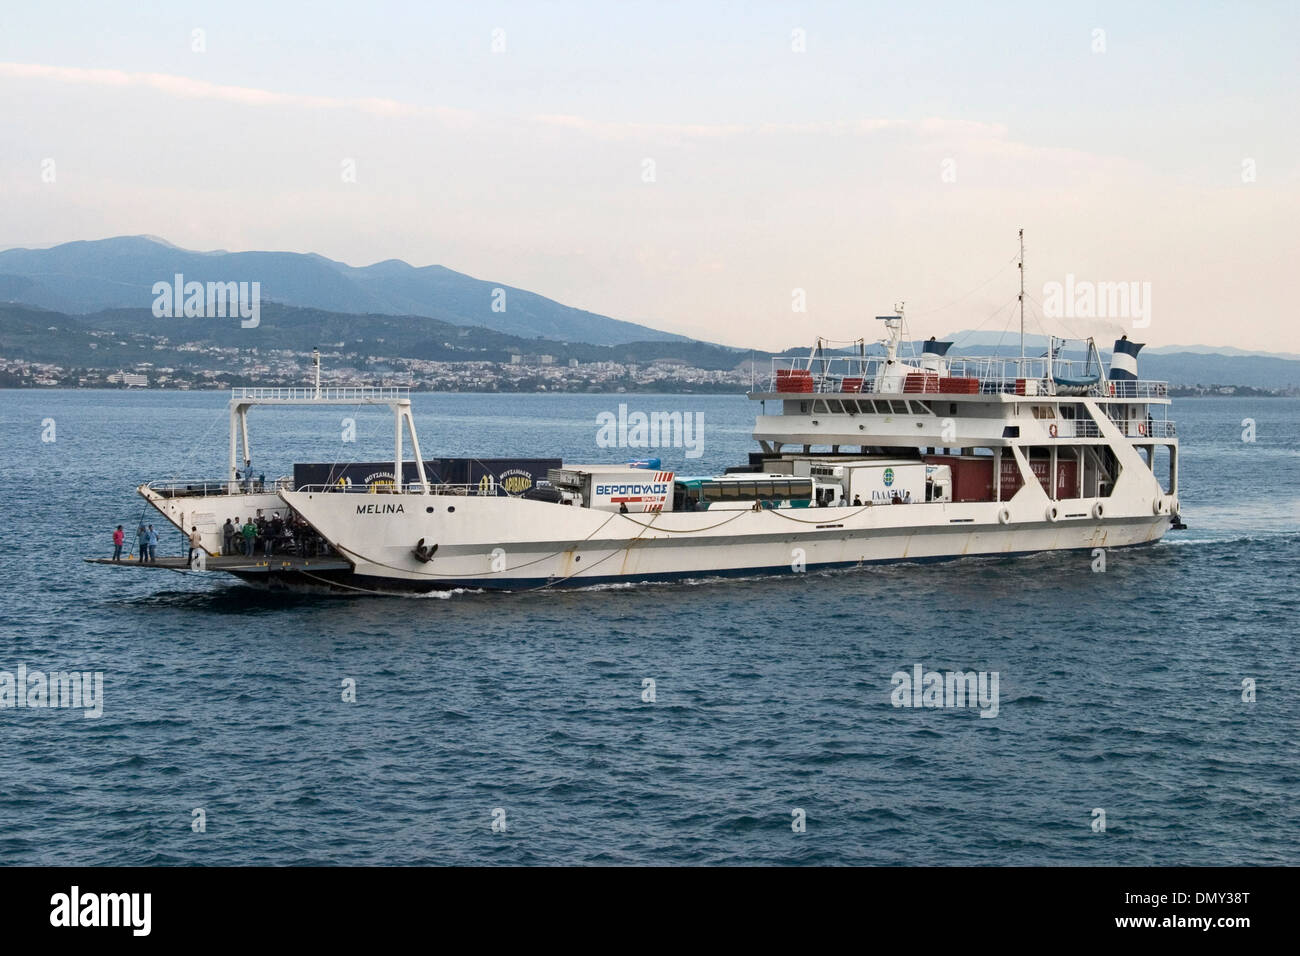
pixel 1119 690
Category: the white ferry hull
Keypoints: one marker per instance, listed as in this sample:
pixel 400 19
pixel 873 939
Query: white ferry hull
pixel 209 513
pixel 517 544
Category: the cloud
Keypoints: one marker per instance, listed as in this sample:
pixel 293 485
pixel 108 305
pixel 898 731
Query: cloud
pixel 929 128
pixel 185 87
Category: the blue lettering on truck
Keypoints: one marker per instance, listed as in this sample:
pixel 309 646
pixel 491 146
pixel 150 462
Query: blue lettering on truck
pixel 659 489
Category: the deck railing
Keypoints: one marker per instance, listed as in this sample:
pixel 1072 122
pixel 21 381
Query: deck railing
pixel 996 375
pixel 1152 428
pixel 1146 428
pixel 216 487
pixel 332 393
pixel 387 488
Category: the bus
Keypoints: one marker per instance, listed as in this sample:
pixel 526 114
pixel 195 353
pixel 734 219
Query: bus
pixel 741 491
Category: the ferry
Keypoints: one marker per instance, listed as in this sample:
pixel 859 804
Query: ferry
pixel 862 459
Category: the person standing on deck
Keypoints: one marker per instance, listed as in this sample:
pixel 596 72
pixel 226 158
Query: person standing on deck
pixel 250 535
pixel 119 536
pixel 228 537
pixel 150 552
pixel 196 545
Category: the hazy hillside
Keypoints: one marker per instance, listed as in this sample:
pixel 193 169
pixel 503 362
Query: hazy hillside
pixel 32 334
pixel 86 277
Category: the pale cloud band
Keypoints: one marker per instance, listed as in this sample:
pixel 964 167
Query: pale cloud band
pixel 184 87
pixel 187 88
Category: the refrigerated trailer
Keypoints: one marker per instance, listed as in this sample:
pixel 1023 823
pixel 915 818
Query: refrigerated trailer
pixel 614 487
pixel 873 481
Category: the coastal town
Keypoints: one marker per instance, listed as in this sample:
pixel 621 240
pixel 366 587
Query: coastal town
pixel 215 367
pixel 524 373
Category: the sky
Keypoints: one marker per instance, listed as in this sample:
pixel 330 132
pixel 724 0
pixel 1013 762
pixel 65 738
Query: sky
pixel 702 168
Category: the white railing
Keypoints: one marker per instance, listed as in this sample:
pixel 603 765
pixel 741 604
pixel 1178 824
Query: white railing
pixel 1084 428
pixel 1152 428
pixel 333 393
pixel 996 375
pixel 216 487
pixel 1138 389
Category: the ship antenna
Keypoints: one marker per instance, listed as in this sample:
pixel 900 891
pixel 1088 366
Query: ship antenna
pixel 1022 302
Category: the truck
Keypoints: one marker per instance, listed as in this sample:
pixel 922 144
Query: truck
pixel 614 487
pixel 871 481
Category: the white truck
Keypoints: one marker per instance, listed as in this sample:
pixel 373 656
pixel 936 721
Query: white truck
pixel 877 481
pixel 614 487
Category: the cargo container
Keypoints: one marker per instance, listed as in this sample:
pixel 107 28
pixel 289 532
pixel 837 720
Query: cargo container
pixel 485 476
pixel 972 475
pixel 887 484
pixel 871 481
pixel 376 475
pixel 1067 477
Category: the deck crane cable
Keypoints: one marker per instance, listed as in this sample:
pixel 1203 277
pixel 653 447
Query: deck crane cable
pixel 1039 312
pixel 990 317
pixel 198 443
pixel 985 321
pixel 648 526
pixel 138 525
pixel 435 574
pixel 972 291
pixel 356 413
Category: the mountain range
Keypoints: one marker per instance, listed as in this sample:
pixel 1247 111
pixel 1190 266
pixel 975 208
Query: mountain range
pixel 79 278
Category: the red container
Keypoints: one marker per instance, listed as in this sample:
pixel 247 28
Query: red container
pixel 972 477
pixel 920 382
pixel 851 385
pixel 794 380
pixel 959 386
pixel 1067 477
pixel 1009 478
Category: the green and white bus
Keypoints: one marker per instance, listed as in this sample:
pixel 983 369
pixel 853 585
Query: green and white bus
pixel 741 491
